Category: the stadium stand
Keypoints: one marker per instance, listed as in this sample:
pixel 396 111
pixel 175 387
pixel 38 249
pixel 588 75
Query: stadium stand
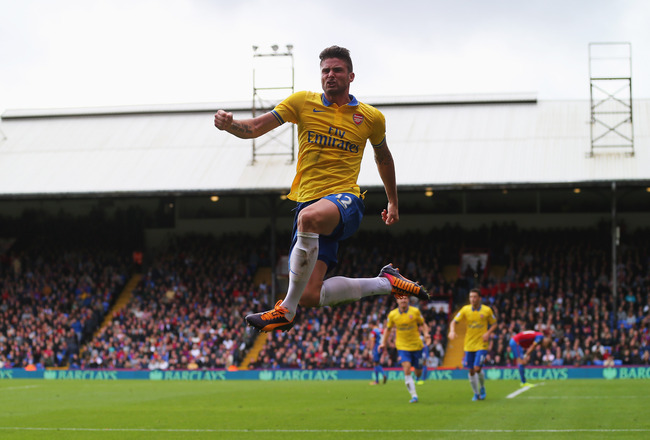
pixel 53 298
pixel 553 280
pixel 186 311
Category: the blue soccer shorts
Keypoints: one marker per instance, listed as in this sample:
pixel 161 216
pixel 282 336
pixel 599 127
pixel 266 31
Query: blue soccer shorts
pixel 351 209
pixel 413 357
pixel 474 358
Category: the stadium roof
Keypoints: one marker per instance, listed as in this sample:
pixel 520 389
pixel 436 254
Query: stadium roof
pixel 438 142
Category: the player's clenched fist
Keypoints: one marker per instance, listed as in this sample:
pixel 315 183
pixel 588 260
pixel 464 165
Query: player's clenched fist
pixel 223 120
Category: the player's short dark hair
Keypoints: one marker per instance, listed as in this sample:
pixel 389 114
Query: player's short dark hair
pixel 477 290
pixel 337 52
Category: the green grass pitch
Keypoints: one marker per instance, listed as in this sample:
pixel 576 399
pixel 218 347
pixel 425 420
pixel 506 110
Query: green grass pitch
pixel 132 409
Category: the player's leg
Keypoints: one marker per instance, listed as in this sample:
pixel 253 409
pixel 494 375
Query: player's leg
pixel 376 366
pixel 375 374
pixel 522 371
pixel 311 221
pixel 342 290
pixel 405 358
pixel 521 365
pixel 478 367
pixel 379 370
pixel 468 362
pixel 314 220
pixel 518 354
pixel 422 376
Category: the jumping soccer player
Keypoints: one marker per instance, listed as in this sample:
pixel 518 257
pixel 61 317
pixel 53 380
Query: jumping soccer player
pixel 526 340
pixel 408 326
pixel 333 128
pixel 480 325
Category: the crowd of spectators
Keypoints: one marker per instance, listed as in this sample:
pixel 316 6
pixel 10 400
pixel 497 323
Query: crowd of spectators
pixel 187 311
pixel 339 337
pixel 52 300
pixel 558 282
pixel 554 281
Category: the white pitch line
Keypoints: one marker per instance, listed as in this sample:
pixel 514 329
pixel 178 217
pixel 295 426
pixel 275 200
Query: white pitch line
pixel 19 388
pixel 522 390
pixel 586 397
pixel 372 431
pixel 378 431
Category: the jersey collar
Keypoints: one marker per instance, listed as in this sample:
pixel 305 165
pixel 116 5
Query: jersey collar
pixel 353 101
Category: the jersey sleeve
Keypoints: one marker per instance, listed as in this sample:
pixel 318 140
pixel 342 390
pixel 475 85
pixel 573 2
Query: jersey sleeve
pixel 390 322
pixel 460 314
pixel 419 317
pixel 289 109
pixel 492 318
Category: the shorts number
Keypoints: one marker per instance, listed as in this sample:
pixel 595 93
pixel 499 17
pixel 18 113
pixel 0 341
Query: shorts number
pixel 344 200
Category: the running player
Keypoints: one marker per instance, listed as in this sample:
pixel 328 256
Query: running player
pixel 480 325
pixel 409 329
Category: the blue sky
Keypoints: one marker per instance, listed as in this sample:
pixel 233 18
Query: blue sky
pixel 88 53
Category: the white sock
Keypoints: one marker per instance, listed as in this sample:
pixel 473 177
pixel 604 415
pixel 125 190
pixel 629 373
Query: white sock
pixel 473 381
pixel 481 379
pixel 410 385
pixel 341 290
pixel 301 264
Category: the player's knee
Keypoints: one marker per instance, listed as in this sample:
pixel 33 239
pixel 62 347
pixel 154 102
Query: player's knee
pixel 308 220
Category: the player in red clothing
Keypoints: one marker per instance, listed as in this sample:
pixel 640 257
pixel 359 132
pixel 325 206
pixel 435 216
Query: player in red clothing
pixel 527 341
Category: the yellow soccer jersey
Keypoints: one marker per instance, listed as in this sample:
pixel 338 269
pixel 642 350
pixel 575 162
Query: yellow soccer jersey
pixel 478 322
pixel 332 140
pixel 407 334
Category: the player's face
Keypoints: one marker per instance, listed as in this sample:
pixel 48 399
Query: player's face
pixel 335 78
pixel 403 303
pixel 474 299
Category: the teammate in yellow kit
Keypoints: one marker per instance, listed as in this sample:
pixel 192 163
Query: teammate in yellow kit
pixel 481 322
pixel 333 129
pixel 408 326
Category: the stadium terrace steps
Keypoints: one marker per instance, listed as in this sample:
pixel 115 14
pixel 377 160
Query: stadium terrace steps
pixel 252 354
pixel 262 276
pixel 455 351
pixel 121 301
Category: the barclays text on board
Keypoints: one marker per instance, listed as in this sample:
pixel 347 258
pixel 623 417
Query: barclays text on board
pixel 551 373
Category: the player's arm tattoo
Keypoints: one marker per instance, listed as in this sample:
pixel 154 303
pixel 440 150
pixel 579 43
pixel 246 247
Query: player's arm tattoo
pixel 240 128
pixel 383 156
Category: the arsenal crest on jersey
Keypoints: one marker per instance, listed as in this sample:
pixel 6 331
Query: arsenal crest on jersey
pixel 357 118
